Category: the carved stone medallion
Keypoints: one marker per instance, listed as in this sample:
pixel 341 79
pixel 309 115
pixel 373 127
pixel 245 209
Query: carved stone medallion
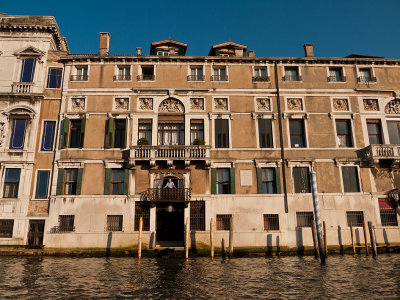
pixel 78 104
pixel 393 107
pixel 171 105
pixel 121 103
pixel 340 104
pixel 197 103
pixel 221 104
pixel 371 104
pixel 295 104
pixel 146 103
pixel 263 104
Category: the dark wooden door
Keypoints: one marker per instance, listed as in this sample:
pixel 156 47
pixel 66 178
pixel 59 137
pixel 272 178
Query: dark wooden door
pixel 35 234
pixel 169 224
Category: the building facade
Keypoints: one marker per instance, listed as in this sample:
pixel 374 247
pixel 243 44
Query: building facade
pixel 229 136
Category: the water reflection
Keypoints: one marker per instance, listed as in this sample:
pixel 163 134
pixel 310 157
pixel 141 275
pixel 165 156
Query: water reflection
pixel 275 277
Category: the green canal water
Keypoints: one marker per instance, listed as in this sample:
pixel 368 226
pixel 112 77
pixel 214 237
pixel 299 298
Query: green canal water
pixel 200 278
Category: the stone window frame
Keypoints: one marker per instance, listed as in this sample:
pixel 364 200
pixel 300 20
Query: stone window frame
pixel 258 66
pixel 349 163
pixel 34 53
pixel 384 129
pixel 372 73
pixel 116 71
pixel 140 72
pixel 343 68
pixel 299 72
pixel 189 68
pixel 353 137
pixel 300 116
pixel 24 171
pixel 226 116
pixel 77 65
pixel 54 137
pixel 300 164
pixel 271 117
pixel 219 66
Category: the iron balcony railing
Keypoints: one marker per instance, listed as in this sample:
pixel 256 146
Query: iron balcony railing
pixel 291 78
pixel 195 78
pixel 167 195
pixel 145 77
pixel 219 78
pixel 79 77
pixel 22 87
pixel 122 77
pixel 194 152
pixel 261 78
pixel 366 79
pixel 336 78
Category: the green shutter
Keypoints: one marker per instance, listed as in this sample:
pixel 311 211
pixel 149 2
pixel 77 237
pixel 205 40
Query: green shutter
pixel 60 182
pixel 278 180
pixel 107 182
pixel 232 180
pixel 213 181
pixel 83 125
pixel 110 133
pixel 259 181
pixel 65 133
pixel 126 181
pixel 126 133
pixel 79 182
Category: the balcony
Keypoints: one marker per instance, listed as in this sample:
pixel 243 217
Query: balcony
pixel 195 78
pixel 145 77
pixel 167 195
pixel 79 77
pixel 363 79
pixel 336 78
pixel 219 78
pixel 122 77
pixel 22 88
pixel 372 154
pixel 193 152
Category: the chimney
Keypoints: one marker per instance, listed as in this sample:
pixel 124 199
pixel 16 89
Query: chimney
pixel 238 52
pixel 104 43
pixel 308 50
pixel 139 50
pixel 251 53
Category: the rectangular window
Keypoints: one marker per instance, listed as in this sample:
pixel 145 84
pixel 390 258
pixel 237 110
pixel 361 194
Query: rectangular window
pixel 350 179
pixel 374 131
pixel 355 217
pixel 224 222
pixel 394 132
pixel 301 178
pixel 147 73
pixel 70 181
pixel 81 73
pixel 6 228
pixel 124 73
pixel 48 135
pixel 336 75
pixel 11 183
pixel 145 132
pixel 343 131
pixel 297 133
pixel 120 133
pixel 198 215
pixel 221 133
pixel 28 69
pixel 271 222
pixel 142 210
pixel 196 132
pixel 265 133
pixel 114 223
pixel 268 180
pixel 388 212
pixel 260 74
pixel 304 218
pixel 66 223
pixel 75 140
pixel 291 74
pixel 196 73
pixel 54 78
pixel 17 140
pixel 223 181
pixel 163 53
pixel 366 75
pixel 219 74
pixel 171 134
pixel 42 184
pixel 117 181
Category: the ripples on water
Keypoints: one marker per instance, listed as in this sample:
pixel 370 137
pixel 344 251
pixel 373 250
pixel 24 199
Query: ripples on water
pixel 286 277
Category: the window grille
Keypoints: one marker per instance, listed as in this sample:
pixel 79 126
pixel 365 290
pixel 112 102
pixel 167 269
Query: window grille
pixel 301 178
pixel 6 228
pixel 350 179
pixel 224 222
pixel 355 217
pixel 304 218
pixel 142 210
pixel 387 212
pixel 65 224
pixel 197 215
pixel 271 222
pixel 114 223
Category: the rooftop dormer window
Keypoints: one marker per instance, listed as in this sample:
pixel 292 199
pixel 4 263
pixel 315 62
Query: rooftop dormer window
pixel 163 53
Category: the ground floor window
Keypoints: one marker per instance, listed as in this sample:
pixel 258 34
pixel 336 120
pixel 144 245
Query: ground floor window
pixel 271 222
pixel 6 228
pixel 197 215
pixel 142 210
pixel 114 223
pixel 356 218
pixel 304 218
pixel 66 223
pixel 224 222
pixel 387 212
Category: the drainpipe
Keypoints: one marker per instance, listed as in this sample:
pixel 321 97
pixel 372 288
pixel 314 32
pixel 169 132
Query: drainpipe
pixel 281 138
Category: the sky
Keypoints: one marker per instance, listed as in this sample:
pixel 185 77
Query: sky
pixel 271 28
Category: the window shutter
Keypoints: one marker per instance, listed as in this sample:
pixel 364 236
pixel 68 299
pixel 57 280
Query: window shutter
pixel 83 125
pixel 278 180
pixel 213 181
pixel 107 182
pixel 60 182
pixel 232 180
pixel 126 181
pixel 126 133
pixel 110 133
pixel 79 182
pixel 65 133
pixel 259 181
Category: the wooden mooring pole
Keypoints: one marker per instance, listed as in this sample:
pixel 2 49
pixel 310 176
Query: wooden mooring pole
pixel 231 238
pixel 365 239
pixel 352 238
pixel 314 237
pixel 187 238
pixel 325 242
pixel 140 238
pixel 372 239
pixel 212 237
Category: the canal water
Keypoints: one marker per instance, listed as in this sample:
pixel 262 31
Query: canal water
pixel 285 277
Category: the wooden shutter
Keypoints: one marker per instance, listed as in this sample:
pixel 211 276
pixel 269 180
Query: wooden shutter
pixel 126 181
pixel 259 181
pixel 107 182
pixel 79 182
pixel 83 126
pixel 213 181
pixel 221 133
pixel 232 180
pixel 126 133
pixel 278 180
pixel 110 133
pixel 65 134
pixel 60 182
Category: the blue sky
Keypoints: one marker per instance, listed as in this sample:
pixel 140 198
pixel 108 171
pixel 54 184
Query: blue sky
pixel 271 28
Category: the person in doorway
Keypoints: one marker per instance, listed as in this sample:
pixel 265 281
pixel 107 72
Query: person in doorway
pixel 170 184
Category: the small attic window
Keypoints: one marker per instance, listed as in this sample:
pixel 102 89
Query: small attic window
pixel 163 53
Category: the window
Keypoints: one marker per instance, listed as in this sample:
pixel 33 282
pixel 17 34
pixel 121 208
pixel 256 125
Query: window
pixel 394 132
pixel 271 222
pixel 198 215
pixel 223 181
pixel 292 74
pixel 6 228
pixel 11 183
pixel 196 132
pixel 70 181
pixel 48 135
pixel 54 78
pixel 336 75
pixel 147 73
pixel 18 133
pixel 267 180
pixel 145 131
pixel 304 218
pixel 219 74
pixel 366 75
pixel 163 53
pixel 356 218
pixel 350 179
pixel 28 69
pixel 260 74
pixel 224 222
pixel 301 178
pixel 116 133
pixel 142 210
pixel 196 73
pixel 114 223
pixel 75 139
pixel 265 133
pixel 66 223
pixel 374 131
pixel 117 182
pixel 81 74
pixel 123 73
pixel 297 133
pixel 221 133
pixel 388 212
pixel 42 184
pixel 343 131
pixel 171 134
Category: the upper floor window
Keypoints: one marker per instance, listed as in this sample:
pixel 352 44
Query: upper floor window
pixel 163 53
pixel 196 132
pixel 265 133
pixel 260 74
pixel 147 73
pixel 81 73
pixel 374 131
pixel 196 73
pixel 145 132
pixel 292 74
pixel 221 133
pixel 343 131
pixel 70 181
pixel 223 181
pixel 266 180
pixel 301 178
pixel 394 132
pixel 116 133
pixel 17 140
pixel 336 75
pixel 366 75
pixel 28 69
pixel 350 179
pixel 123 73
pixel 48 135
pixel 54 78
pixel 219 74
pixel 297 133
pixel 42 184
pixel 171 134
pixel 11 183
pixel 73 133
